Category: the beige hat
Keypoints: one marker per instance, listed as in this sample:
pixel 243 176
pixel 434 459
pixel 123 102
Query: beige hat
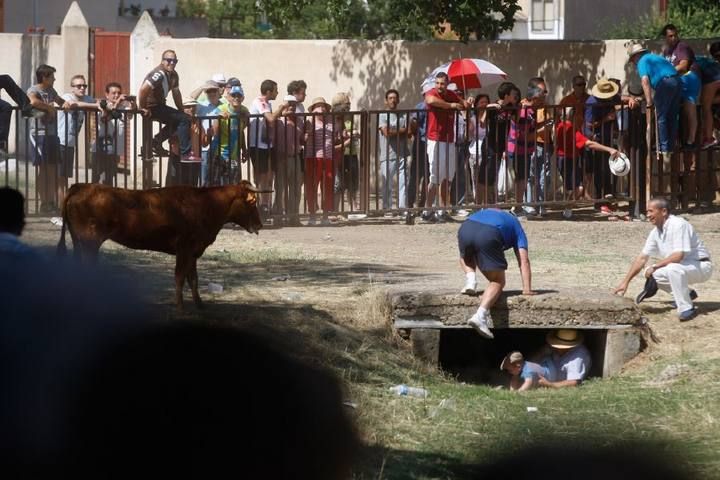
pixel 634 48
pixel 189 102
pixel 210 85
pixel 319 101
pixel 512 357
pixel 604 89
pixel 564 338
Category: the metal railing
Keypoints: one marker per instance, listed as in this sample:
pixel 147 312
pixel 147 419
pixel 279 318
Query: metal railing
pixel 371 162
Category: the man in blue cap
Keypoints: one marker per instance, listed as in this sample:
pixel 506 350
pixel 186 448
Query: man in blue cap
pixel 482 240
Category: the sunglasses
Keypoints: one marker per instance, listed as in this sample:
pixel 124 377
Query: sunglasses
pixel 80 85
pixel 170 60
pixel 580 84
pixel 237 95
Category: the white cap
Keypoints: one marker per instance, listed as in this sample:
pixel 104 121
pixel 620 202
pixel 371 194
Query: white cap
pixel 219 78
pixel 620 165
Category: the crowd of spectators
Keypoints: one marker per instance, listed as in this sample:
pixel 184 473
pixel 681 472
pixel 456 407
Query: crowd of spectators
pixel 452 149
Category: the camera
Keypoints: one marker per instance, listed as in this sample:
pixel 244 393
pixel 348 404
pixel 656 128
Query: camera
pixel 114 114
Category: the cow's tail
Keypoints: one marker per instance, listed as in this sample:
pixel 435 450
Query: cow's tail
pixel 61 247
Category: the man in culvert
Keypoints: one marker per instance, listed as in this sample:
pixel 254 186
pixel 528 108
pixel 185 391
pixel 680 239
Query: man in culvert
pixel 482 240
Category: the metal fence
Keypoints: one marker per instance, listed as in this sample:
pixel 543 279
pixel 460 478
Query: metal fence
pixel 367 162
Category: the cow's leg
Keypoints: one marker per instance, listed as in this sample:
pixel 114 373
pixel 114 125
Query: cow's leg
pixel 193 281
pixel 182 269
pixel 87 250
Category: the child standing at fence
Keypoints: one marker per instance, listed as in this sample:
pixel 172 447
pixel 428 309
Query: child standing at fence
pixel 320 135
pixel 288 179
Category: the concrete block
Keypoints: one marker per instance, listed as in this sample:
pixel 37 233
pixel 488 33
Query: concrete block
pixel 426 344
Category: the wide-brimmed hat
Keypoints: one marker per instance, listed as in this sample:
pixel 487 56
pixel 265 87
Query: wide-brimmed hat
pixel 189 102
pixel 211 85
pixel 620 165
pixel 512 357
pixel 564 338
pixel 219 78
pixel 319 101
pixel 634 48
pixel 604 89
pixel 340 98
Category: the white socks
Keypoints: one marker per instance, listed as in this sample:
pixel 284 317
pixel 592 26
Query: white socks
pixel 482 312
pixel 470 277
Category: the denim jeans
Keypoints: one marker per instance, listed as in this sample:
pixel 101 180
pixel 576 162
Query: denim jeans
pixel 539 174
pixel 388 170
pixel 668 94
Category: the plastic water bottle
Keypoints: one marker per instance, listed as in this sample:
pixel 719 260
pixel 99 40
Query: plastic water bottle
pixel 404 390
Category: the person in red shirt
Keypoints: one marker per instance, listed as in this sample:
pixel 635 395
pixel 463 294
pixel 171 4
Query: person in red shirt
pixel 441 105
pixel 569 145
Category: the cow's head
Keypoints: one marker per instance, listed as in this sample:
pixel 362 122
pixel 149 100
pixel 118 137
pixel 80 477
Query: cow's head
pixel 244 210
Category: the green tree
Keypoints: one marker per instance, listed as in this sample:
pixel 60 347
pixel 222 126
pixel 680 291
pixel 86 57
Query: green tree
pixel 365 19
pixel 693 18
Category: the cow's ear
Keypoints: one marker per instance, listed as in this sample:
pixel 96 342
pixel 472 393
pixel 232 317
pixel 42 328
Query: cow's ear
pixel 251 198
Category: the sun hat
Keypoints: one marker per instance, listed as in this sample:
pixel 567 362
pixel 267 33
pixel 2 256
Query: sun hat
pixel 634 48
pixel 340 98
pixel 620 165
pixel 189 102
pixel 564 338
pixel 317 101
pixel 211 85
pixel 512 357
pixel 219 78
pixel 604 89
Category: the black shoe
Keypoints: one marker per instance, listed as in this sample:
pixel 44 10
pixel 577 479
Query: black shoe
pixel 428 217
pixel 649 290
pixel 693 296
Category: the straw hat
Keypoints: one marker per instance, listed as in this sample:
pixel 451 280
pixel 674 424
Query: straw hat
pixel 604 89
pixel 319 101
pixel 211 85
pixel 634 48
pixel 512 357
pixel 564 338
pixel 620 165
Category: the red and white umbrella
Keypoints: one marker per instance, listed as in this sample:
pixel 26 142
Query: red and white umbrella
pixel 467 73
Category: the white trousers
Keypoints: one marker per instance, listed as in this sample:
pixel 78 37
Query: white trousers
pixel 675 278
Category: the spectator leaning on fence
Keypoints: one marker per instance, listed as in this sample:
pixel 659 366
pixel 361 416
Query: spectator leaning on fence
pixel 209 108
pixel 541 156
pixel 109 145
pixel 682 58
pixel 521 143
pixel 441 106
pixel 710 73
pixel 298 89
pixel 350 163
pixel 288 140
pixel 152 102
pixel 320 135
pixel 230 137
pixel 663 89
pixel 576 100
pixel 392 150
pixel 69 125
pixel 45 144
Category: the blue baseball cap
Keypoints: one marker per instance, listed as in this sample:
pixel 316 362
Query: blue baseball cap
pixel 237 90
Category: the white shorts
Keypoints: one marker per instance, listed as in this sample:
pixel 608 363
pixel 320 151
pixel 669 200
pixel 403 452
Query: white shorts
pixel 441 157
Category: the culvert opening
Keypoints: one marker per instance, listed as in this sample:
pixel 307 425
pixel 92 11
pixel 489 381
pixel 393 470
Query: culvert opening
pixel 470 358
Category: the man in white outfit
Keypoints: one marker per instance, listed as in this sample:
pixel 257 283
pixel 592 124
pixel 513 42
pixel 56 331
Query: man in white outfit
pixel 683 259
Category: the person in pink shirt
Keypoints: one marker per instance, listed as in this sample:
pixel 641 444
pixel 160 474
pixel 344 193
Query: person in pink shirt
pixel 320 135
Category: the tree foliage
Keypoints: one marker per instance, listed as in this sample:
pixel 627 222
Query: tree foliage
pixel 362 19
pixel 693 18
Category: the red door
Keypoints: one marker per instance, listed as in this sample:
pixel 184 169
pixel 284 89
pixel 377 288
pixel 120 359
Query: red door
pixel 111 62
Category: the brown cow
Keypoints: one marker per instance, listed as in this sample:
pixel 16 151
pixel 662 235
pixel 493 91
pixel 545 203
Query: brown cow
pixel 181 221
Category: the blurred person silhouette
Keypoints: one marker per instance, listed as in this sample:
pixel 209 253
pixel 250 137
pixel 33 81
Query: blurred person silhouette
pixel 12 223
pixel 201 401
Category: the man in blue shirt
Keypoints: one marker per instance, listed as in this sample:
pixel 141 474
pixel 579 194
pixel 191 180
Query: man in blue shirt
pixel 482 241
pixel 658 75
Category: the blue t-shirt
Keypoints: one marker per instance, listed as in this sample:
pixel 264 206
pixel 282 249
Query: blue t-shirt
pixel 655 68
pixel 534 371
pixel 595 111
pixel 421 119
pixel 512 232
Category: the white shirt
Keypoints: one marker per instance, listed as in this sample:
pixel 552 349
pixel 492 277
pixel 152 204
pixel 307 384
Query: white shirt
pixel 676 235
pixel 258 126
pixel 74 117
pixel 574 365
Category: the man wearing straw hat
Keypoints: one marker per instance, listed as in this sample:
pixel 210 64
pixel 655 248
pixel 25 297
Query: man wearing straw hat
pixel 569 363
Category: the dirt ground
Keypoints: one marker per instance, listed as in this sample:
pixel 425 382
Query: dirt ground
pixel 328 268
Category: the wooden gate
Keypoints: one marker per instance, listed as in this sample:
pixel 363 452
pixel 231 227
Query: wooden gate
pixel 110 61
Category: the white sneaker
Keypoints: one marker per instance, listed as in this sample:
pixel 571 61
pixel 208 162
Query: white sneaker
pixel 529 210
pixel 480 325
pixel 470 288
